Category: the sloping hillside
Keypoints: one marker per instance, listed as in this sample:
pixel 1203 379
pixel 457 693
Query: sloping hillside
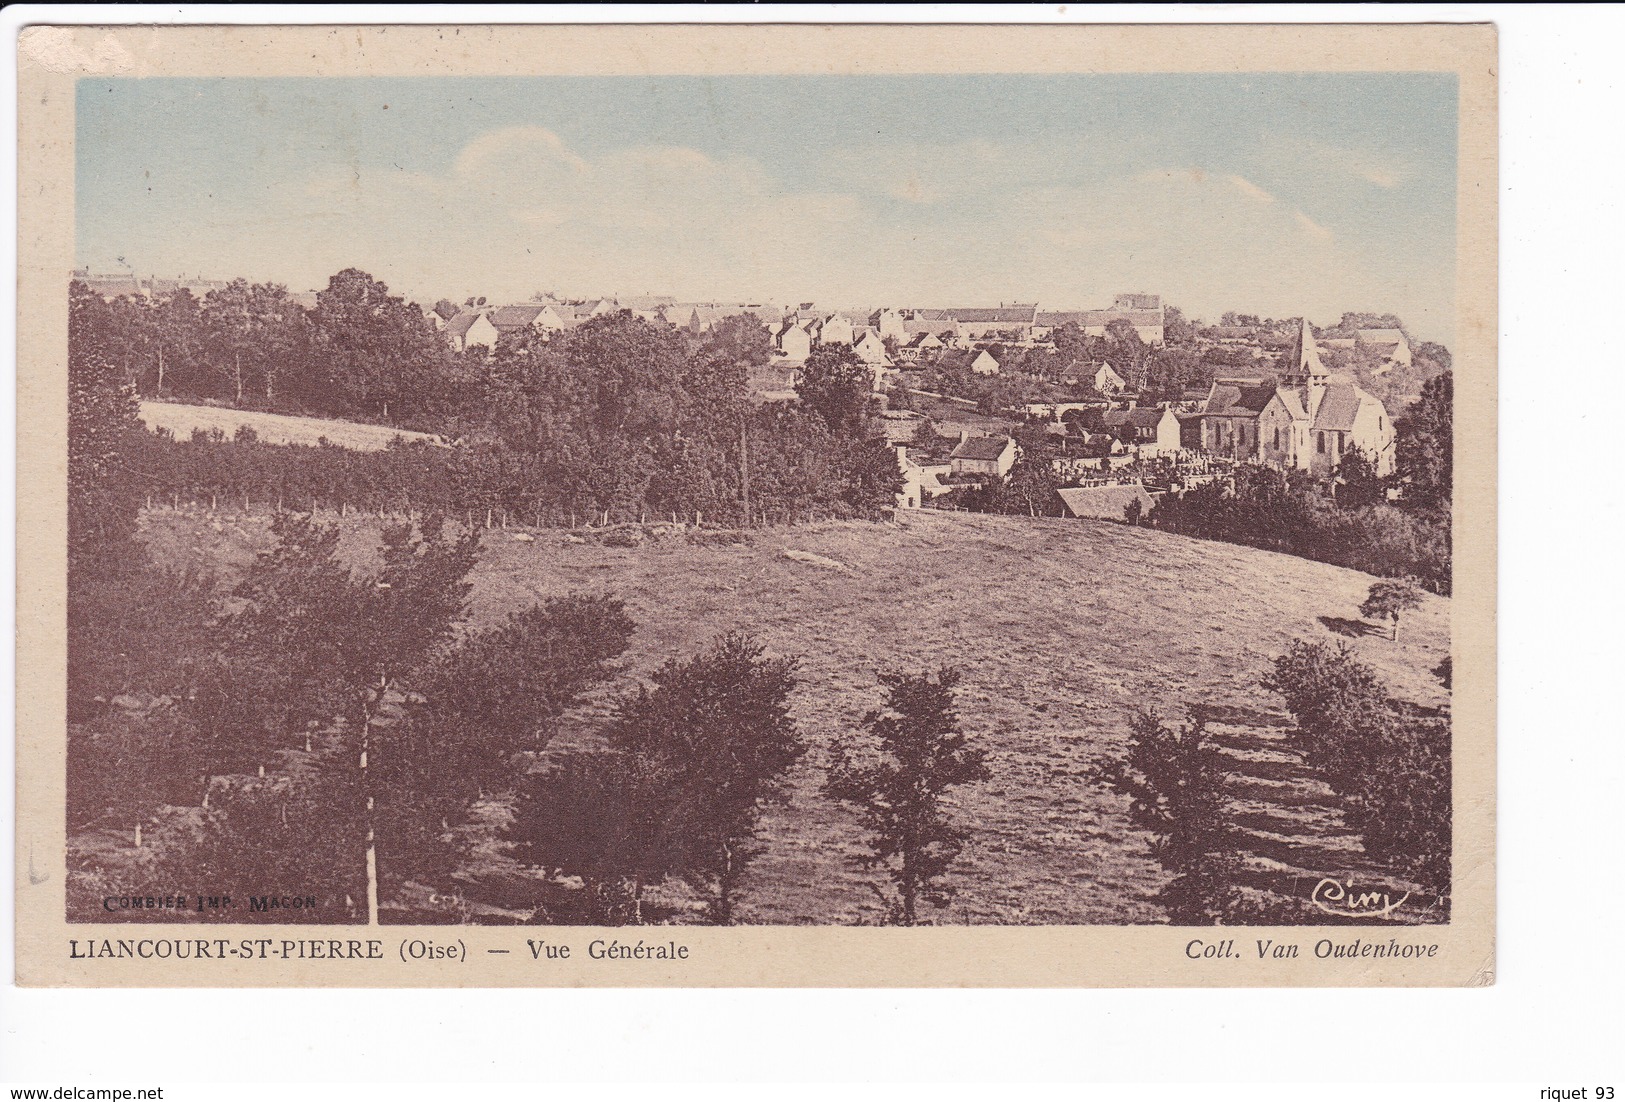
pixel 272 428
pixel 1062 628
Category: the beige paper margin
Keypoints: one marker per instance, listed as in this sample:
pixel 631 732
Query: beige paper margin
pixel 52 58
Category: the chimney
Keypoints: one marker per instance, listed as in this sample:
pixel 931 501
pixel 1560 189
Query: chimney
pixel 964 435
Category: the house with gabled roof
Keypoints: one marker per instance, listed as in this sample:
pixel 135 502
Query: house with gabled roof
pixel 794 342
pixel 870 349
pixel 835 329
pixel 888 323
pixel 1154 430
pixel 919 346
pixel 983 456
pixel 1106 380
pixel 472 329
pixel 543 317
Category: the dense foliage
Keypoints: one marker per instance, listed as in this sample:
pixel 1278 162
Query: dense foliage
pixel 915 754
pixel 1286 511
pixel 616 420
pixel 1390 761
pixel 1174 781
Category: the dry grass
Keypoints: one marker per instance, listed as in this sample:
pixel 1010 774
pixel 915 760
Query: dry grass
pixel 273 428
pixel 1062 628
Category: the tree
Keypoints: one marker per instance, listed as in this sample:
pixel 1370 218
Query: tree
pixel 1436 354
pixel 898 785
pixel 313 647
pixel 1388 598
pixel 926 435
pixel 371 349
pixel 717 729
pixel 104 425
pixel 630 371
pixel 610 818
pixel 1358 483
pixel 179 341
pixel 1175 329
pixel 1389 761
pixel 838 388
pixel 1033 482
pixel 869 477
pixel 281 333
pixel 486 707
pixel 1425 445
pixel 1174 781
pixel 228 320
pixel 1071 345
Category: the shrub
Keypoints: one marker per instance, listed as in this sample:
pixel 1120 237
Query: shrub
pixel 918 754
pixel 1389 761
pixel 1174 781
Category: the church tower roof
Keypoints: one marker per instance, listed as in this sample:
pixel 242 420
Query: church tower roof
pixel 1304 358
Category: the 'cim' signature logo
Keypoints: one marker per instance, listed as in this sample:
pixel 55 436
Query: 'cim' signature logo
pixel 1336 898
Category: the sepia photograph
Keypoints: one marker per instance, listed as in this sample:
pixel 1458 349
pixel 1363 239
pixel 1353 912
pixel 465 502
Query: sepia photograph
pixel 642 501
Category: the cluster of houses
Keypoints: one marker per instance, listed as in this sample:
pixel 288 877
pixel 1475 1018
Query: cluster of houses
pixel 1299 416
pixel 111 285
pixel 882 337
pixel 1386 348
pixel 476 325
pixel 1302 417
pixel 894 337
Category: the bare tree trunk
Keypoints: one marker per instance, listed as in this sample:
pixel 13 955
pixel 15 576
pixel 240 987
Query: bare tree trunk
pixel 744 470
pixel 724 909
pixel 366 788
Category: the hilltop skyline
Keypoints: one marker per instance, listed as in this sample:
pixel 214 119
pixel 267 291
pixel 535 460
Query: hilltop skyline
pixel 1277 194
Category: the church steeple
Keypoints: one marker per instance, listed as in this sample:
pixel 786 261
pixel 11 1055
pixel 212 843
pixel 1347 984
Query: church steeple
pixel 1304 359
pixel 1303 370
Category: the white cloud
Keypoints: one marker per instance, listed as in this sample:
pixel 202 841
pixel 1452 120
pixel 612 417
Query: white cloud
pixel 1381 175
pixel 1314 229
pixel 519 210
pixel 529 145
pixel 1251 190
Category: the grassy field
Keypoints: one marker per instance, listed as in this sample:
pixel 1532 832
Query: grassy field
pixel 952 416
pixel 272 428
pixel 1062 628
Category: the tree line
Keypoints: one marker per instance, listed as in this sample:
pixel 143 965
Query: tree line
pixel 617 420
pixel 359 352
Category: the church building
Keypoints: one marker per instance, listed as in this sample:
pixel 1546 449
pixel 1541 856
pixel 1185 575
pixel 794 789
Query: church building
pixel 1308 422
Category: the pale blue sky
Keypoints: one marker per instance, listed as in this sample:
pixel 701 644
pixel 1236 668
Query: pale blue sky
pixel 1278 194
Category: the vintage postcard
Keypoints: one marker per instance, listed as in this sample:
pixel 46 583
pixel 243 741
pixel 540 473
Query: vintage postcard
pixel 756 506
